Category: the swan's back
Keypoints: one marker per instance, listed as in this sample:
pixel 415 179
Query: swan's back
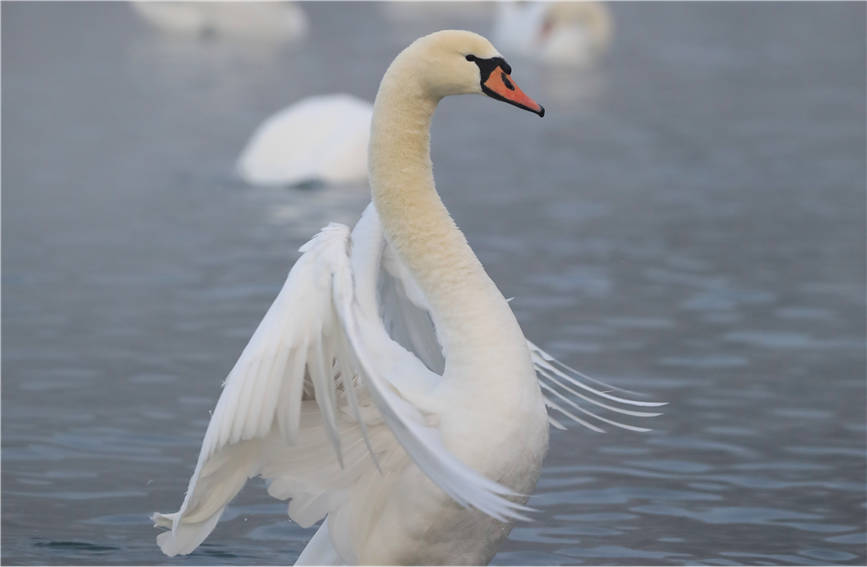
pixel 320 138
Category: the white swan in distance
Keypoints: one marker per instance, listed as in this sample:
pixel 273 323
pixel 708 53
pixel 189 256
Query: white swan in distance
pixel 560 33
pixel 266 22
pixel 321 138
pixel 389 388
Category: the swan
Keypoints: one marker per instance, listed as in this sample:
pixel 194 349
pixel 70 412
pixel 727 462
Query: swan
pixel 389 388
pixel 321 138
pixel 266 22
pixel 560 33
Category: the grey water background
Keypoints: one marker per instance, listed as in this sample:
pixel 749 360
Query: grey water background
pixel 688 220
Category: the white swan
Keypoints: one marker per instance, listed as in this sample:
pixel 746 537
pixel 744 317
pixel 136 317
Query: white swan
pixel 321 138
pixel 389 388
pixel 564 33
pixel 265 22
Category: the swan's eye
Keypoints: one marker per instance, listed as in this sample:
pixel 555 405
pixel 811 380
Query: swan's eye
pixel 487 66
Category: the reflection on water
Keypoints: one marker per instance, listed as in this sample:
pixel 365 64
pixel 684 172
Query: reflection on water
pixel 688 221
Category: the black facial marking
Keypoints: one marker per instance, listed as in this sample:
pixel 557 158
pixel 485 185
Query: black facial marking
pixel 487 66
pixel 507 82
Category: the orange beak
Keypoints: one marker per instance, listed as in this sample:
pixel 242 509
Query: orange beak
pixel 501 87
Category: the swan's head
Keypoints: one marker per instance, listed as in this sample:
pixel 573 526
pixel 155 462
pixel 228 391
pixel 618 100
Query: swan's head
pixel 453 62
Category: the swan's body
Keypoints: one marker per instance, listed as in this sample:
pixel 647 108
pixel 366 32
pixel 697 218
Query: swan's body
pixel 321 138
pixel 246 21
pixel 389 387
pixel 560 33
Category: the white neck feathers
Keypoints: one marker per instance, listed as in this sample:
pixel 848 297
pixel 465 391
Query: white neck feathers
pixel 464 301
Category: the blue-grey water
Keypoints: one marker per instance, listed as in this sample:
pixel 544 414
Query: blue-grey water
pixel 688 220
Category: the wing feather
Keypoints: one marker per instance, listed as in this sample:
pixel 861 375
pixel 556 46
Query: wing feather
pixel 291 392
pixel 555 378
pixel 323 385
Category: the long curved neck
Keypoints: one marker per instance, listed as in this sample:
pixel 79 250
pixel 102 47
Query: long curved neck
pixel 466 304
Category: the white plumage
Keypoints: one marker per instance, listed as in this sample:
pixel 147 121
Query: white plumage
pixel 320 138
pixel 389 388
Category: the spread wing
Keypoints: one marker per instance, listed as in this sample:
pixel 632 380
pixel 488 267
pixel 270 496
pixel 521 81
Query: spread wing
pixel 333 385
pixel 319 397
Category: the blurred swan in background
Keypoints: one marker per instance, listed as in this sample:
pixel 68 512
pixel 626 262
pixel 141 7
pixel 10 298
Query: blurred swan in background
pixel 562 33
pixel 267 22
pixel 317 139
pixel 389 387
pixel 439 11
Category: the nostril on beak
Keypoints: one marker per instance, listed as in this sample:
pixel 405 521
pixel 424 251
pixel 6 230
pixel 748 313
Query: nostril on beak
pixel 507 82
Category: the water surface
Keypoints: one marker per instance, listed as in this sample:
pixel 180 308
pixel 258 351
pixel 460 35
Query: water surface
pixel 687 221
